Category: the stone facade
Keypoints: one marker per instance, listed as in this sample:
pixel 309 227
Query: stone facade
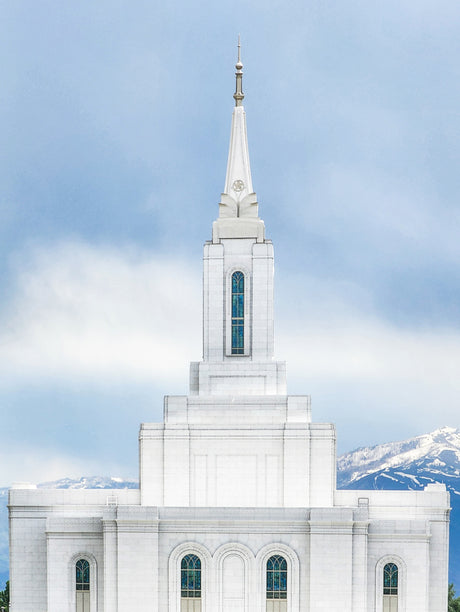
pixel 236 476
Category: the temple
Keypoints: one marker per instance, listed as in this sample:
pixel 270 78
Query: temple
pixel 237 507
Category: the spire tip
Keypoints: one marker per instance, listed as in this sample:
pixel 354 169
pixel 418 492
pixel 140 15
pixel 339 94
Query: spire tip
pixel 239 95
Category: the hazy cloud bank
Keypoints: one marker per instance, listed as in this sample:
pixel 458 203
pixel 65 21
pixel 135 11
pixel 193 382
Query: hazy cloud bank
pixel 86 311
pixel 107 317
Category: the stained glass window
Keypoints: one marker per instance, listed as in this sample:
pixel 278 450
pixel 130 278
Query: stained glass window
pixel 390 579
pixel 190 576
pixel 82 575
pixel 276 578
pixel 237 313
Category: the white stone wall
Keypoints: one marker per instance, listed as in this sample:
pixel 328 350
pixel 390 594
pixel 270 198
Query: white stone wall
pixel 28 589
pixel 137 559
pixel 335 555
pixel 68 540
pixel 246 551
pixel 48 528
pixel 254 372
pixel 213 293
pixel 252 465
pixel 409 528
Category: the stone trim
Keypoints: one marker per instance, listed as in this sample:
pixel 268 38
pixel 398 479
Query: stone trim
pixel 175 559
pixel 402 581
pixel 93 581
pixel 293 576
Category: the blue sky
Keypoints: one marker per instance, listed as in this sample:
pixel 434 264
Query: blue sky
pixel 115 124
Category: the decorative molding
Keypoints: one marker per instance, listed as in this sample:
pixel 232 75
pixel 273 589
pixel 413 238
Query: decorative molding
pixel 93 580
pixel 402 581
pixel 400 537
pixel 248 558
pixel 293 574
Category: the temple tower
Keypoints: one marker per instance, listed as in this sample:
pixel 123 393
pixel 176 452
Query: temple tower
pixel 237 419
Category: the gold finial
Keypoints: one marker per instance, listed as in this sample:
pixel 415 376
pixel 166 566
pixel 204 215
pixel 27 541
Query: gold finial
pixel 239 95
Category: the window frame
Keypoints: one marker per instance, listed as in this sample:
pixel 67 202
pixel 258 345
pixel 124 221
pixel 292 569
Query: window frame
pixel 402 572
pixel 83 582
pixel 283 593
pixel 228 313
pixel 390 571
pixel 93 581
pixel 174 573
pixel 293 575
pixel 237 311
pixel 188 570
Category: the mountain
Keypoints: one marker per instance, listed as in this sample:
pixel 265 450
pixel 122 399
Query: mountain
pixel 409 464
pixel 90 482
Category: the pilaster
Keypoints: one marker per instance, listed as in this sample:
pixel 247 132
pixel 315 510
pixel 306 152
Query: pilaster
pixel 360 537
pixel 331 559
pixel 109 527
pixel 137 559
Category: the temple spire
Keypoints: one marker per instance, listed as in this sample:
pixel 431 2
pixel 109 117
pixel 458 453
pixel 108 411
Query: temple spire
pixel 238 208
pixel 238 181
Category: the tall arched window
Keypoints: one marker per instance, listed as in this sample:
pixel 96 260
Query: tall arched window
pixel 190 578
pixel 276 584
pixel 237 313
pixel 390 588
pixel 82 586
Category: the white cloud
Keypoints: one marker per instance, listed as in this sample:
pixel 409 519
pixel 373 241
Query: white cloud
pixel 83 311
pixel 368 349
pixel 365 371
pixel 101 315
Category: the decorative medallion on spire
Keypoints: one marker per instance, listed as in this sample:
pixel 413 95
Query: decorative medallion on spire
pixel 238 201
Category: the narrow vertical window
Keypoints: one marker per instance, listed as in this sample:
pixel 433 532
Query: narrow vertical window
pixel 238 313
pixel 276 584
pixel 190 578
pixel 82 586
pixel 390 588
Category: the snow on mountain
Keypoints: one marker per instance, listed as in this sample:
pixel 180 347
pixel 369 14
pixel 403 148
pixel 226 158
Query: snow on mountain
pixel 90 482
pixel 438 453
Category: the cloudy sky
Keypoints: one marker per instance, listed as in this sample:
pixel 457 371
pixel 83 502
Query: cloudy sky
pixel 115 119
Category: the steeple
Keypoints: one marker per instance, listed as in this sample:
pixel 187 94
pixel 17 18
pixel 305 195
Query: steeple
pixel 238 200
pixel 238 338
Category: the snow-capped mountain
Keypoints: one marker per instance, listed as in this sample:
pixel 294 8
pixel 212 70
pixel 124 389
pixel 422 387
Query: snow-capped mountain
pixel 90 482
pixel 409 464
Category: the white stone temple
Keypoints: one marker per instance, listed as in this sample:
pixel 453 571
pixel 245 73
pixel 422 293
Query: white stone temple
pixel 237 508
